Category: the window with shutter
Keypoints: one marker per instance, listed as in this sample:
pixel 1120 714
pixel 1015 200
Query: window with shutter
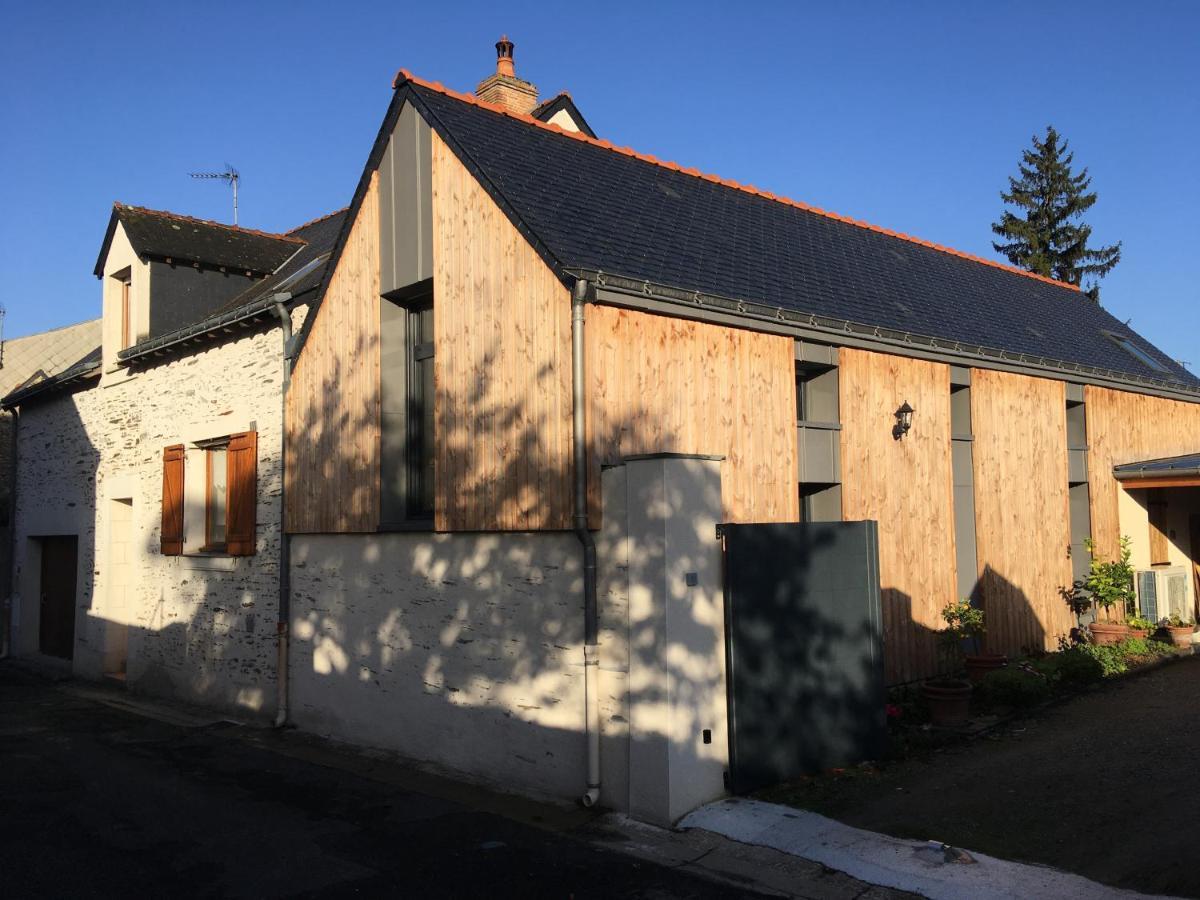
pixel 242 493
pixel 171 542
pixel 1160 550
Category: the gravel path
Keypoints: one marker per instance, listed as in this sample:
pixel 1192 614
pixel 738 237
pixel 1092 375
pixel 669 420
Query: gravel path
pixel 1099 785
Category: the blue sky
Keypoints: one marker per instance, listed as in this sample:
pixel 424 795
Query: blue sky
pixel 910 115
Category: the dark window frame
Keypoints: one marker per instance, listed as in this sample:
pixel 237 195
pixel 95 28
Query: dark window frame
pixel 418 493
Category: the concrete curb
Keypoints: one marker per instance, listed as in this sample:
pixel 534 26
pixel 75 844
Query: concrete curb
pixel 928 868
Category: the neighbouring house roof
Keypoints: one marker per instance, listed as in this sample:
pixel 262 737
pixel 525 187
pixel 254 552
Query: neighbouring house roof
pixel 562 102
pixel 27 360
pixel 1169 467
pixel 87 367
pixel 158 234
pixel 300 276
pixel 588 206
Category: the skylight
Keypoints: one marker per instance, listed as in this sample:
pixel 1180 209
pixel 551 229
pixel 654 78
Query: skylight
pixel 1137 352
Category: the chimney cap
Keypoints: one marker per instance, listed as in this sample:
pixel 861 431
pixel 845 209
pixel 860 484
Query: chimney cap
pixel 504 57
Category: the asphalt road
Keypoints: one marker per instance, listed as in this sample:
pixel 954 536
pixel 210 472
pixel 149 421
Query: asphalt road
pixel 102 802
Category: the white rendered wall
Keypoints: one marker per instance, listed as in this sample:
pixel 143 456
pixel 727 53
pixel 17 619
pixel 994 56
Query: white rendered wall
pixel 197 628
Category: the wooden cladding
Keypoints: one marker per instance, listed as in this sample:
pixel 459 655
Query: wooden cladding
pixel 906 485
pixel 1022 517
pixel 663 385
pixel 171 535
pixel 1123 427
pixel 332 407
pixel 241 460
pixel 502 324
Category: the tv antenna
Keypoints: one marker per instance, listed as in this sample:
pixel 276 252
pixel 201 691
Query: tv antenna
pixel 230 176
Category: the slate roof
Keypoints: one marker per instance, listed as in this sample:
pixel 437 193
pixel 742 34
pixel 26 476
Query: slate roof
pixel 302 274
pixel 45 354
pixel 589 206
pixel 86 367
pixel 165 235
pixel 1158 468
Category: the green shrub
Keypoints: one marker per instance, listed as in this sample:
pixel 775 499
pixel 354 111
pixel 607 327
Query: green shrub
pixel 1110 657
pixel 1070 667
pixel 1014 686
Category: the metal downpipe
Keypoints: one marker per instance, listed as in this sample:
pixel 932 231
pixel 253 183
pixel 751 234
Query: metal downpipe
pixel 591 655
pixel 282 626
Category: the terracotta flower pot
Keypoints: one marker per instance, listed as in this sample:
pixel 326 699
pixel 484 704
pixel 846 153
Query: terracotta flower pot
pixel 1142 633
pixel 1181 635
pixel 982 663
pixel 1109 632
pixel 949 700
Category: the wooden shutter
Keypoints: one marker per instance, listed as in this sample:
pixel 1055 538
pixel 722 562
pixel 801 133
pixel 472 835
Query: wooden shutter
pixel 171 541
pixel 1160 550
pixel 242 496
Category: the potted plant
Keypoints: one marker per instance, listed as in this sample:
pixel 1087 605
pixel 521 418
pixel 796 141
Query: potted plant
pixel 949 696
pixel 1139 627
pixel 964 627
pixel 1179 629
pixel 1110 583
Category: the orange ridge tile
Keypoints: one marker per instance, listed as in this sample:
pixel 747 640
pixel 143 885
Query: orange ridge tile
pixel 403 76
pixel 167 214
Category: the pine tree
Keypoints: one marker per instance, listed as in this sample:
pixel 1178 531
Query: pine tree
pixel 1047 237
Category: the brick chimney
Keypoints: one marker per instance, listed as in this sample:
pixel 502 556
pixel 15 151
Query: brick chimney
pixel 505 88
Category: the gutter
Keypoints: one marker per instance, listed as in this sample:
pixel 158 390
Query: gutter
pixel 695 304
pixel 1145 472
pixel 155 346
pixel 283 623
pixel 591 654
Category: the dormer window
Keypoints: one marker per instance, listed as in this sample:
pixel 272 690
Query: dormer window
pixel 126 287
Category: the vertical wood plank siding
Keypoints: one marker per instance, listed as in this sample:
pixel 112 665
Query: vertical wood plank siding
pixel 907 487
pixel 502 322
pixel 1124 428
pixel 662 385
pixel 1022 518
pixel 333 402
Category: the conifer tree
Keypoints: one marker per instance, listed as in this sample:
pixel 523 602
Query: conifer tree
pixel 1046 234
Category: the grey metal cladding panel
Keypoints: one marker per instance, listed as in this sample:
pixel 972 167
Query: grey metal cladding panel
pixel 964 539
pixel 406 204
pixel 393 472
pixel 821 354
pixel 803 636
pixel 387 214
pixel 1076 466
pixel 820 455
pixel 821 399
pixel 960 376
pixel 1077 427
pixel 393 352
pixel 961 461
pixel 1074 393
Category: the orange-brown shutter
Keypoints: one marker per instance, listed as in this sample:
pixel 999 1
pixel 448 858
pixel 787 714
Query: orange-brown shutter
pixel 242 460
pixel 172 501
pixel 1160 549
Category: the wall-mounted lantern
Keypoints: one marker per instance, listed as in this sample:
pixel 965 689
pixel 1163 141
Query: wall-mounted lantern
pixel 903 421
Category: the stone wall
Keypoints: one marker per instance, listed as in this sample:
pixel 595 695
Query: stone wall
pixel 461 649
pixel 198 628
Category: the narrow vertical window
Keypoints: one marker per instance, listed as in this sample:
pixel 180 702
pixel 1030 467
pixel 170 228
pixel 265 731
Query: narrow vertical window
pixel 818 432
pixel 126 313
pixel 216 502
pixel 407 407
